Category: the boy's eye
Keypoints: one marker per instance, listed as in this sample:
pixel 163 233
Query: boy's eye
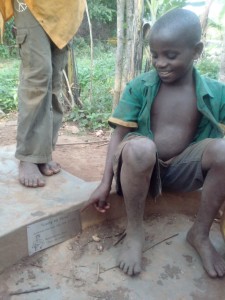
pixel 171 55
pixel 153 55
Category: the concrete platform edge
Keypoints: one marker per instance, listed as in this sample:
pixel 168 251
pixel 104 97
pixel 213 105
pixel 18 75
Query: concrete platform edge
pixel 13 246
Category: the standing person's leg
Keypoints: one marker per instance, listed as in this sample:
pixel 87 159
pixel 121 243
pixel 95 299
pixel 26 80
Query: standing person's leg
pixel 59 61
pixel 34 133
pixel 213 195
pixel 138 160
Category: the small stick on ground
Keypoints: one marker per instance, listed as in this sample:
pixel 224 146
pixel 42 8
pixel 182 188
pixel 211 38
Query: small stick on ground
pixel 80 143
pixel 113 235
pixel 37 266
pixel 98 272
pixel 29 291
pixel 120 239
pixel 102 145
pixel 170 237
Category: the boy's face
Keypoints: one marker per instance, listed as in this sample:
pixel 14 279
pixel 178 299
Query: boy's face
pixel 172 57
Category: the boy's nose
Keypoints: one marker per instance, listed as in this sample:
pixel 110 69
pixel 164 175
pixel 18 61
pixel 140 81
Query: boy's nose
pixel 160 63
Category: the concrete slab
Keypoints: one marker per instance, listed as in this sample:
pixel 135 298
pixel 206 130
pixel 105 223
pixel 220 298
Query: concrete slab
pixel 20 206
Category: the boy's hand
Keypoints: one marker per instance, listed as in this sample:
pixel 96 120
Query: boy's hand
pixel 98 198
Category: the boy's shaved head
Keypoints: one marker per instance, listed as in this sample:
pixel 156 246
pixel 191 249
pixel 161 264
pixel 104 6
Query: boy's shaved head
pixel 182 22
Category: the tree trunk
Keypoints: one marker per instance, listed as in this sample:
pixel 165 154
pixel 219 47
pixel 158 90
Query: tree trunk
pixel 204 18
pixel 138 39
pixel 222 66
pixel 127 69
pixel 129 44
pixel 119 51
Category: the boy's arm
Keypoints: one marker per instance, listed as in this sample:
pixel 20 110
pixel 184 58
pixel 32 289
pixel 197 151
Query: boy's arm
pixel 100 195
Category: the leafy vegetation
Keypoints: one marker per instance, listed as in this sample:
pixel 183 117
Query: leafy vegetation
pixel 97 82
pixel 96 98
pixel 8 49
pixel 96 109
pixel 156 8
pixel 8 88
pixel 102 10
pixel 209 67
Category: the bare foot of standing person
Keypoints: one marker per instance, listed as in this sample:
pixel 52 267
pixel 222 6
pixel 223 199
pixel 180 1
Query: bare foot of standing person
pixel 49 168
pixel 30 175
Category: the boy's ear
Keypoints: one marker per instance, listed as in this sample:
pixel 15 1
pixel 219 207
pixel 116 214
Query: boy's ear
pixel 198 50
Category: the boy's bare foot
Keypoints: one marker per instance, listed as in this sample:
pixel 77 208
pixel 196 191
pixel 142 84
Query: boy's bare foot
pixel 212 261
pixel 129 259
pixel 49 168
pixel 29 175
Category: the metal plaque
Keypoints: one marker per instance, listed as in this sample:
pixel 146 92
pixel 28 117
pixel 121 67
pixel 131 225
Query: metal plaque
pixel 51 231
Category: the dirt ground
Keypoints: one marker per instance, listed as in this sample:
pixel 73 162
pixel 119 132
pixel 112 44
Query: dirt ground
pixel 81 154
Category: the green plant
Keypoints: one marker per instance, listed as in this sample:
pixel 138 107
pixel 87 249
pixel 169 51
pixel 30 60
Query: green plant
pixel 209 66
pixel 8 88
pixel 96 109
pixel 156 8
pixel 90 117
pixel 102 10
pixel 8 49
pixel 4 51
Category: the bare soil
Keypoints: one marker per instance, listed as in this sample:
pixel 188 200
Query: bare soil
pixel 81 154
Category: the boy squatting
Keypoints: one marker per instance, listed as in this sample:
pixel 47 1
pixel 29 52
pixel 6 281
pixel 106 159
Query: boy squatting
pixel 168 136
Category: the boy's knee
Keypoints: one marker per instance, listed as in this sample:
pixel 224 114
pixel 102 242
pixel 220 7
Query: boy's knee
pixel 140 152
pixel 214 154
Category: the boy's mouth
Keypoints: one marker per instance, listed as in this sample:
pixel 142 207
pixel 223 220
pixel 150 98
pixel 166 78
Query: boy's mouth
pixel 164 74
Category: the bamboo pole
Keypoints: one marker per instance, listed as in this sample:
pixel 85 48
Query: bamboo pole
pixel 119 51
pixel 92 52
pixel 138 39
pixel 129 44
pixel 204 18
pixel 222 66
pixel 126 76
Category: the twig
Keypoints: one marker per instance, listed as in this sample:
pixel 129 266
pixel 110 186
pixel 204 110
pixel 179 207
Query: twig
pixel 113 267
pixel 29 291
pixel 111 236
pixel 64 276
pixel 37 266
pixel 170 237
pixel 79 143
pixel 67 100
pixel 69 89
pixel 120 239
pixel 98 272
pixel 92 52
pixel 103 144
pixel 120 233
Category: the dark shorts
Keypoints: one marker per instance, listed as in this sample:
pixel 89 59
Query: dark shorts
pixel 182 173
